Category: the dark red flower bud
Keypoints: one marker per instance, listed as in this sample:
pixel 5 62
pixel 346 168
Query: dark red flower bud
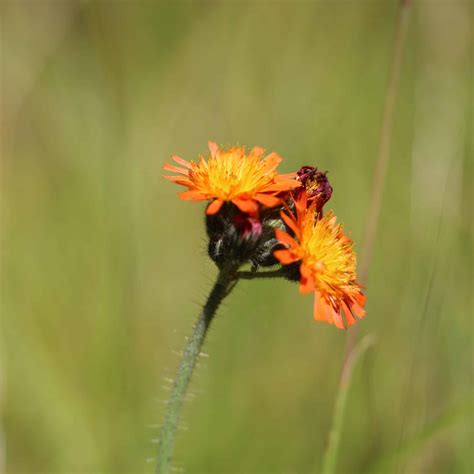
pixel 316 184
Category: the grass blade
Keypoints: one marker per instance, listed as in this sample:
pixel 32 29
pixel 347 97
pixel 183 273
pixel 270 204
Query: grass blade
pixel 330 455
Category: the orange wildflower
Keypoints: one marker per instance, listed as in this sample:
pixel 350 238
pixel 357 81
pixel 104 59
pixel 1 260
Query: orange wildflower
pixel 246 179
pixel 328 263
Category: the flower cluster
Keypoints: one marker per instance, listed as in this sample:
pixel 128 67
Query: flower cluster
pixel 256 215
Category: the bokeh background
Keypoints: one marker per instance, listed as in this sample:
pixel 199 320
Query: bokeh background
pixel 104 269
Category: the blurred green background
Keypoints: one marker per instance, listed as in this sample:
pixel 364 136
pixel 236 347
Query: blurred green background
pixel 104 268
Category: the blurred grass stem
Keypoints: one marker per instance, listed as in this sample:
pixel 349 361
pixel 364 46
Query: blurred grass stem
pixel 225 282
pixel 375 204
pixel 330 455
pixel 385 142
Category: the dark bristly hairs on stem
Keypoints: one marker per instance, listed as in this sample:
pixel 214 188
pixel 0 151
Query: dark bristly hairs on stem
pixel 226 280
pixel 280 273
pixel 383 159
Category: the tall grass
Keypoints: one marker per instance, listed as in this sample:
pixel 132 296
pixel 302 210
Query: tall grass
pixel 101 280
pixel 353 352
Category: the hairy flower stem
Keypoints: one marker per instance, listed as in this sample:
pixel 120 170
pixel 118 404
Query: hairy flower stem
pixel 226 281
pixel 257 275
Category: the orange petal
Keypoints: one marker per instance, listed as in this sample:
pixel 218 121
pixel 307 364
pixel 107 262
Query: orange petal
pixel 286 238
pixel 344 239
pixel 292 183
pixel 272 160
pixel 305 271
pixel 290 223
pixel 213 148
pixel 182 162
pixel 282 186
pixel 246 205
pixel 257 151
pixel 214 207
pixel 192 196
pixel 302 202
pixel 290 213
pixel 360 298
pixel 179 180
pixel 175 169
pixel 285 257
pixel 319 311
pixel 287 176
pixel 336 317
pixel 306 280
pixel 266 200
pixel 357 310
pixel 347 313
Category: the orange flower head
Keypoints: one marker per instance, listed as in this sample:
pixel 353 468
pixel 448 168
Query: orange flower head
pixel 328 263
pixel 246 179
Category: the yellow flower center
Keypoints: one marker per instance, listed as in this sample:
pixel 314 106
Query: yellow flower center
pixel 328 253
pixel 232 173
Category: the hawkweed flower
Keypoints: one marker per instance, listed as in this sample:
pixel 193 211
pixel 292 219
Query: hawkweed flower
pixel 258 217
pixel 327 262
pixel 245 179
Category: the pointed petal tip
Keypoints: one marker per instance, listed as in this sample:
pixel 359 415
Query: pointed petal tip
pixel 257 151
pixel 286 238
pixel 213 148
pixel 247 205
pixel 214 207
pixel 267 200
pixel 182 162
pixel 192 196
pixel 285 257
pixel 175 169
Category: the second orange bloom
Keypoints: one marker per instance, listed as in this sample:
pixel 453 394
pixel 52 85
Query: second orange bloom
pixel 328 263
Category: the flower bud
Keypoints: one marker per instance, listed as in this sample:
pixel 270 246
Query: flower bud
pixel 316 184
pixel 233 235
pixel 238 238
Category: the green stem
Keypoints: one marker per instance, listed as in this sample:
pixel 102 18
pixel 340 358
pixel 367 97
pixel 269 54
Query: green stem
pixel 385 143
pixel 256 275
pixel 383 159
pixel 330 455
pixel 226 281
